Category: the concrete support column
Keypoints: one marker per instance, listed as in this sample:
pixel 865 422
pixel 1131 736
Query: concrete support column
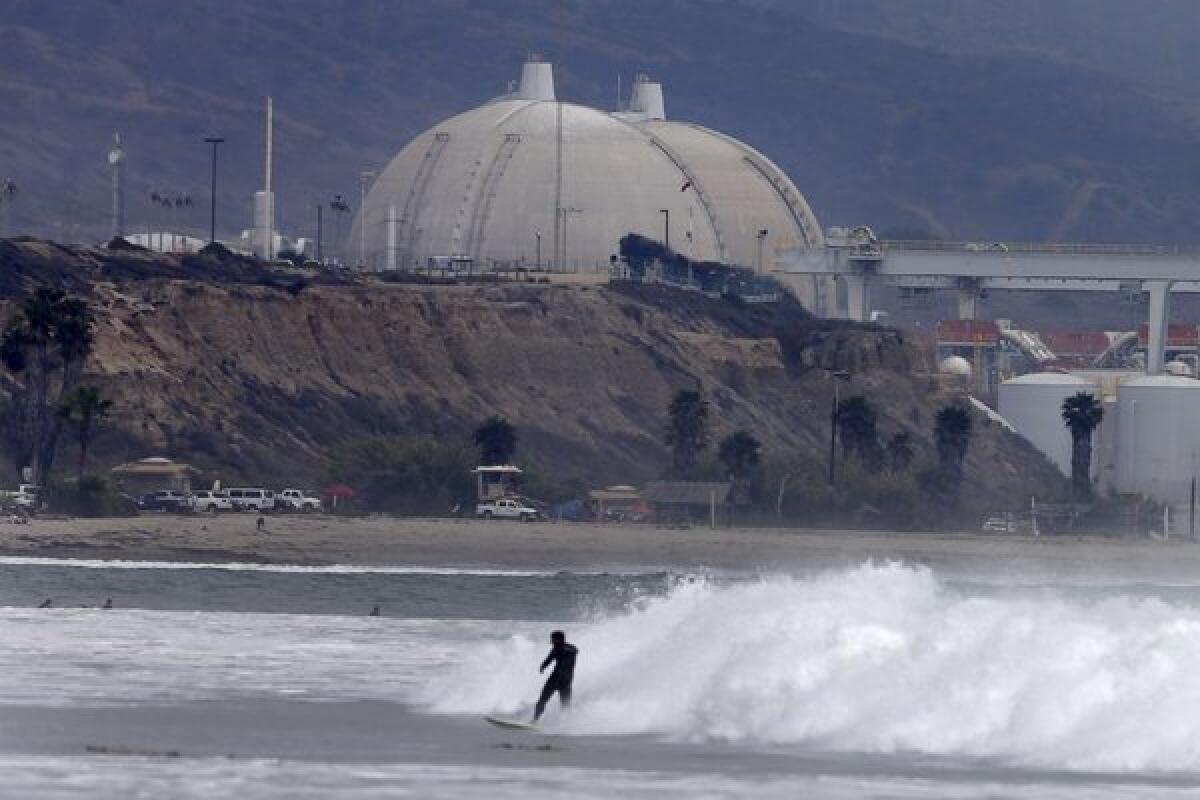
pixel 1160 313
pixel 968 299
pixel 858 296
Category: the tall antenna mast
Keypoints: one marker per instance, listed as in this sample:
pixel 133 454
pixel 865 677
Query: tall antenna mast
pixel 270 132
pixel 264 201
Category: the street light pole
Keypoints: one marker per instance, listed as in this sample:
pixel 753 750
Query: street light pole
pixel 833 425
pixel 666 212
pixel 538 235
pixel 320 209
pixel 762 235
pixel 212 214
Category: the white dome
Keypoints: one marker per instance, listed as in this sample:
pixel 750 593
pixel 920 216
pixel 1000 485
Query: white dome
pixel 954 365
pixel 484 185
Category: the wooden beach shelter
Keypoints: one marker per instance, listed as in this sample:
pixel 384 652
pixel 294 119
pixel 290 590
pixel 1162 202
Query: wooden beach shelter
pixel 153 474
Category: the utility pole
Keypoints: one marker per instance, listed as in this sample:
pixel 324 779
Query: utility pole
pixel 666 212
pixel 762 236
pixel 212 215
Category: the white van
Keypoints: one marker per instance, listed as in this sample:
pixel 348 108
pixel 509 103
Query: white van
pixel 244 499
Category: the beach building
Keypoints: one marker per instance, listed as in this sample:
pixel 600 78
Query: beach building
pixel 152 474
pixel 699 501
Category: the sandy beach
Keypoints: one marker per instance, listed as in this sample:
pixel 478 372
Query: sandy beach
pixel 382 541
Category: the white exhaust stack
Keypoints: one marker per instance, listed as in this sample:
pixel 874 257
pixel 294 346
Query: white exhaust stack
pixel 391 238
pixel 647 98
pixel 537 80
pixel 264 201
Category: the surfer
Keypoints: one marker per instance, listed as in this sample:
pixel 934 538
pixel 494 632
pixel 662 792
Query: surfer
pixel 562 654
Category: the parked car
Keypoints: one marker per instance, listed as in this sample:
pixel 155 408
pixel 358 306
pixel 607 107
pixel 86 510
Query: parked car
pixel 507 508
pixel 297 500
pixel 207 500
pixel 1001 522
pixel 25 498
pixel 164 500
pixel 245 499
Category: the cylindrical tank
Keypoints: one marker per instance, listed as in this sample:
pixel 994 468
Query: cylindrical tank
pixel 1032 404
pixel 1158 434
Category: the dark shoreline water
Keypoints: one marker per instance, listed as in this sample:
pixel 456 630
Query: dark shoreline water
pixel 376 733
pixel 424 594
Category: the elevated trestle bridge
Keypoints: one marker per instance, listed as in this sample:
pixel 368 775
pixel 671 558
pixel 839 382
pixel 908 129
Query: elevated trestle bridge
pixel 857 259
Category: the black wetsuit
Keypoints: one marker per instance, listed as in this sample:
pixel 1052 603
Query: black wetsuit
pixel 560 678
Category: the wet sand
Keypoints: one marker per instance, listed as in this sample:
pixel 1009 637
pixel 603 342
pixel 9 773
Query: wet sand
pixel 383 541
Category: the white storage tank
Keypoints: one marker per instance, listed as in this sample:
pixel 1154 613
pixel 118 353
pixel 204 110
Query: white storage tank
pixel 1158 434
pixel 1032 404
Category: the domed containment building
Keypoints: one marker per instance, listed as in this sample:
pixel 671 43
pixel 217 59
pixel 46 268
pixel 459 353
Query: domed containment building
pixel 527 180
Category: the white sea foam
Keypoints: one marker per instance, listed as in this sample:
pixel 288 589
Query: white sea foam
pixel 89 657
pixel 102 777
pixel 879 659
pixel 325 569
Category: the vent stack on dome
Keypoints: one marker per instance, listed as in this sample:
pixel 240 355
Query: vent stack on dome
pixel 537 80
pixel 647 98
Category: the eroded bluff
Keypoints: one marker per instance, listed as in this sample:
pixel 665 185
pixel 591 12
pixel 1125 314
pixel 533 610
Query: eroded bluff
pixel 256 383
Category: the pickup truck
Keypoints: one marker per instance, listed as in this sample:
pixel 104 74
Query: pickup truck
pixel 24 498
pixel 506 509
pixel 297 500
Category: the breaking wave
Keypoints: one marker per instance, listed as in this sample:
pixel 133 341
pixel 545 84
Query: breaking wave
pixel 877 659
pixel 323 569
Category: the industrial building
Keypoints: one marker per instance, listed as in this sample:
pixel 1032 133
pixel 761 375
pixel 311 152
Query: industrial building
pixel 528 180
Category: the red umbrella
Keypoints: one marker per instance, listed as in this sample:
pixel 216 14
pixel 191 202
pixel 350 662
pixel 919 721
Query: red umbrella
pixel 338 491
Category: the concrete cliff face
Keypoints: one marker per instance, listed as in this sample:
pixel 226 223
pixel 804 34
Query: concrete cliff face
pixel 255 383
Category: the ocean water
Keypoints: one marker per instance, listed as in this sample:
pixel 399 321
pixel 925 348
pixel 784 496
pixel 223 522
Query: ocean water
pixel 881 680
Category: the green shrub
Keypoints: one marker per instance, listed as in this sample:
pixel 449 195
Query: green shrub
pixel 405 475
pixel 91 496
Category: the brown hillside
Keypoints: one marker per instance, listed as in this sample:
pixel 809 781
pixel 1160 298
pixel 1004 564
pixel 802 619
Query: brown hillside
pixel 255 382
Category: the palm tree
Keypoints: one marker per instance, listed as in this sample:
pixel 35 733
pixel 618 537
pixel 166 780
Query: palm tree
pixel 496 439
pixel 952 436
pixel 84 407
pixel 1081 413
pixel 739 453
pixel 44 347
pixel 900 451
pixel 856 424
pixel 687 431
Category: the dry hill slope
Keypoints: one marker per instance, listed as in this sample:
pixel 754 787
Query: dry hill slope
pixel 255 382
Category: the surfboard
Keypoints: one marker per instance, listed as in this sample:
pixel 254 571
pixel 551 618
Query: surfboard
pixel 512 724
